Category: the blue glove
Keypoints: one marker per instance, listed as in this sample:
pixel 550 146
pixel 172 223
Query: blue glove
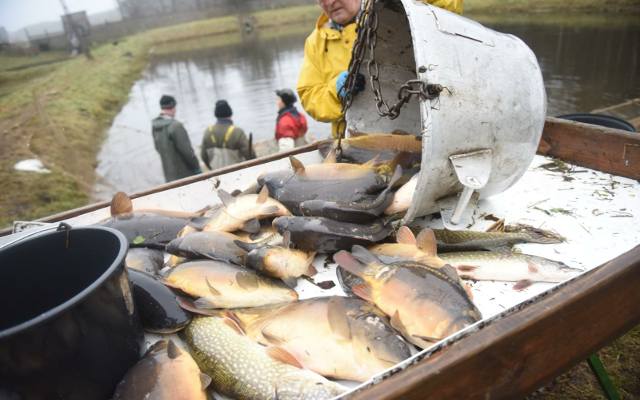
pixel 342 80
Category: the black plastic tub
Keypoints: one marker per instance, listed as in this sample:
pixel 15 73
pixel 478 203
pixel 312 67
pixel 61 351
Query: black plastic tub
pixel 68 326
pixel 600 119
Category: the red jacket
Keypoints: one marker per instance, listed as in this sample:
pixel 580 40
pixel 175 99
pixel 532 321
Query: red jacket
pixel 291 124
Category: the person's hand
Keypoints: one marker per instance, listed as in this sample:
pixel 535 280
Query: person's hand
pixel 342 80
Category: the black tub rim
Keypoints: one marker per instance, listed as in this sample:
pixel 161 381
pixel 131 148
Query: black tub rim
pixel 617 120
pixel 69 304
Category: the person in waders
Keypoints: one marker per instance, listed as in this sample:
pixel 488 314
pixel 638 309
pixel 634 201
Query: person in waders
pixel 291 125
pixel 224 143
pixel 172 143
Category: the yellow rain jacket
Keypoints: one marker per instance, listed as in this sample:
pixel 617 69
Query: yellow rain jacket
pixel 327 53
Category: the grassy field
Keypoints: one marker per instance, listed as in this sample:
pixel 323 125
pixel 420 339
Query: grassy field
pixel 58 111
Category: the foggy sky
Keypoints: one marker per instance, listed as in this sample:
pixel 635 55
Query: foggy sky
pixel 16 14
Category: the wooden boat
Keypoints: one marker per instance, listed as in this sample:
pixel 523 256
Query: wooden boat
pixel 515 351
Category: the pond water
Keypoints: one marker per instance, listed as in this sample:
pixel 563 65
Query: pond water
pixel 584 68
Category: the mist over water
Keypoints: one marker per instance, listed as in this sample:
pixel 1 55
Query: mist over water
pixel 584 68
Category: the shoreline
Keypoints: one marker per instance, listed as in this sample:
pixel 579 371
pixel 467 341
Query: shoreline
pixel 60 112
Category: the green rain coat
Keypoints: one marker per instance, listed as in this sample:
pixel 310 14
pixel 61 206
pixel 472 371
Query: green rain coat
pixel 172 142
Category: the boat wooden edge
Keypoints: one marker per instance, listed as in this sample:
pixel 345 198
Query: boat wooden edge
pixel 604 149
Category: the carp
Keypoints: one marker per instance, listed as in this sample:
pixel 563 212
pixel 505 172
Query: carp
pixel 156 304
pixel 279 262
pixel 244 370
pixel 325 235
pixel 164 373
pixel 384 147
pixel 146 229
pixel 212 245
pixel 337 337
pixel 217 284
pixel 425 304
pixel 338 182
pixel 364 210
pixel 242 212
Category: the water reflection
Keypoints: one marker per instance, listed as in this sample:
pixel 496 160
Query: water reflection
pixel 584 68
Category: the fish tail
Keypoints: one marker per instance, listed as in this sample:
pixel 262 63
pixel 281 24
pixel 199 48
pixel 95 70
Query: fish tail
pixel 246 246
pixel 347 261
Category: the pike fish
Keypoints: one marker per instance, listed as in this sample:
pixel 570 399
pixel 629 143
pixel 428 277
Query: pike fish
pixel 279 262
pixel 339 182
pixel 425 304
pixel 145 260
pixel 473 240
pixel 325 235
pixel 507 266
pixel 366 209
pixel 242 212
pixel 244 370
pixel 156 304
pixel 212 245
pixel 164 373
pixel 217 284
pixel 337 337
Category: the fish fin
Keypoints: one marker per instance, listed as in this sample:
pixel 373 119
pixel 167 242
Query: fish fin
pixel 372 162
pixel 291 282
pixel 467 289
pixel 298 167
pixel 173 351
pixel 363 291
pixel 246 246
pixel 263 195
pixel 406 236
pixel 331 157
pixel 233 325
pixel 349 262
pixel 280 354
pixel 204 304
pixel 522 284
pixel 270 337
pixel 427 242
pixel 363 255
pixel 427 338
pixel 396 322
pixel 311 270
pixel 252 225
pixel 497 226
pixel 196 222
pixel 402 158
pixel 121 204
pixel 286 239
pixel 532 267
pixel 205 381
pixel 212 289
pixel 233 316
pixel 247 280
pixel 236 192
pixel 451 272
pixel 337 317
pixel 225 197
pixel 189 305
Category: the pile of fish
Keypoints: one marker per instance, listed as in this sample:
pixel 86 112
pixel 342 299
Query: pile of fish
pixel 225 279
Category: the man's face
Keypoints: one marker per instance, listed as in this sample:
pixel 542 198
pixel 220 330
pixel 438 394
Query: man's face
pixel 340 11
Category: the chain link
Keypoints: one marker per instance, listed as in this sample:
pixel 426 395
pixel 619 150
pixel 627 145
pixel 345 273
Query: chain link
pixel 367 40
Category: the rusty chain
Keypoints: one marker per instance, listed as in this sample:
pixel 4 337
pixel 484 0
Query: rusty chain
pixel 367 39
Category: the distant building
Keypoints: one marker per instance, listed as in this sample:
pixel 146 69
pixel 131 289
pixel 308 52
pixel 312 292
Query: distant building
pixel 4 36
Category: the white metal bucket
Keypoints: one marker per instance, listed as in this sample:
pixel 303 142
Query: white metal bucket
pixel 492 107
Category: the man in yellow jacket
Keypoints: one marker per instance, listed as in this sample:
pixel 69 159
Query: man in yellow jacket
pixel 327 52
